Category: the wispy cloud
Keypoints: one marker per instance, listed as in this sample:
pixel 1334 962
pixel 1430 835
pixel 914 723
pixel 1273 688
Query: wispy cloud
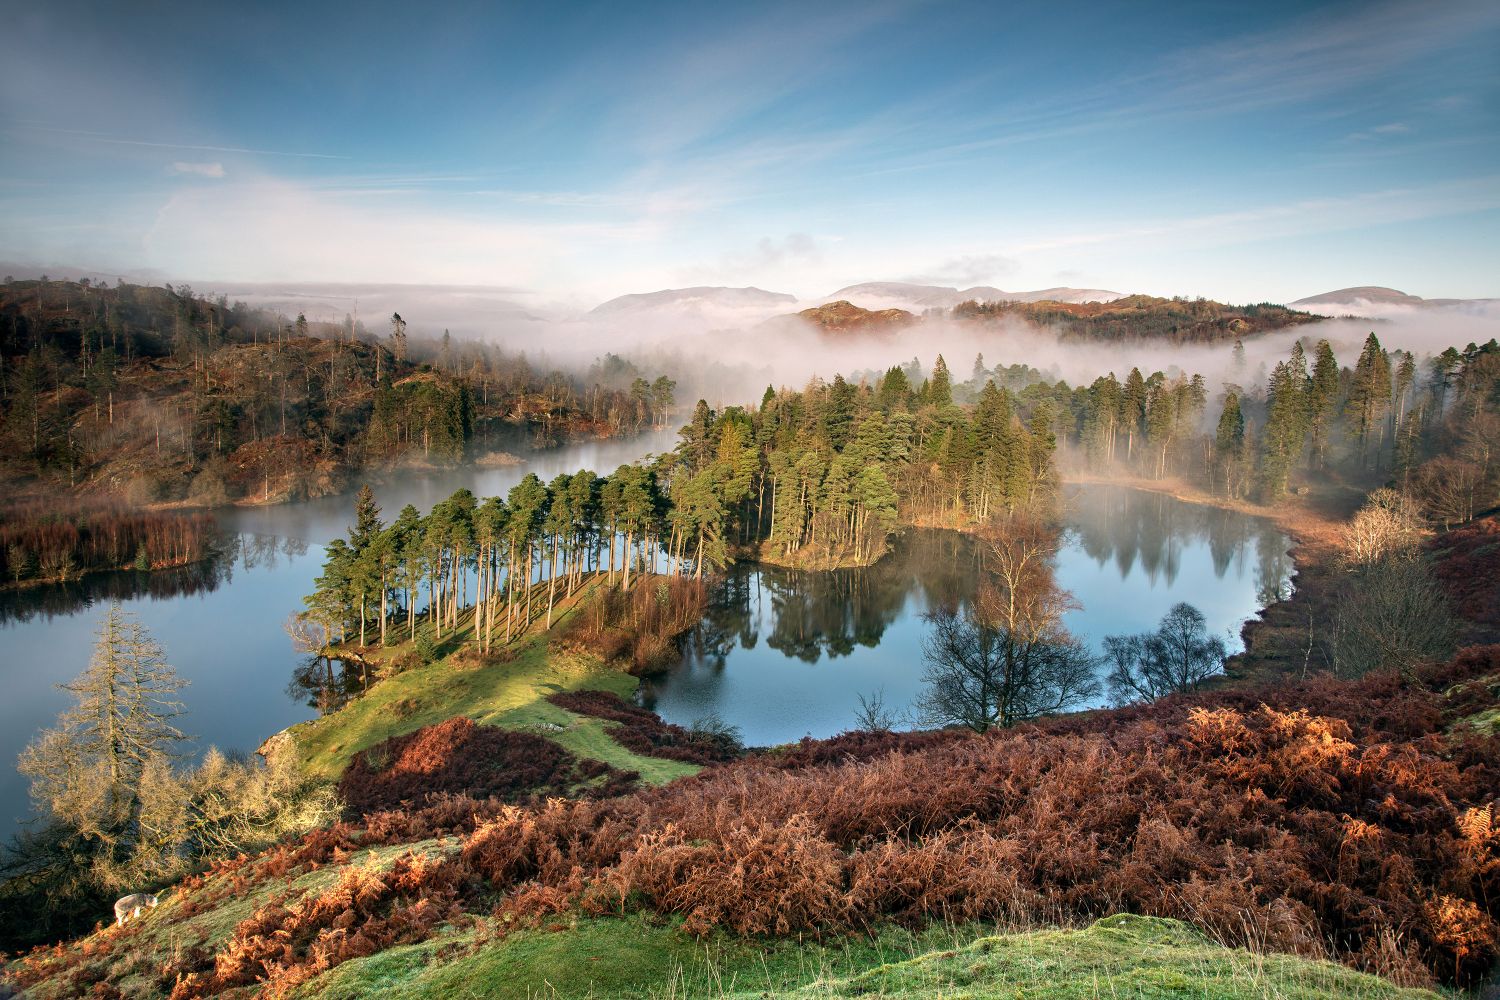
pixel 1299 63
pixel 113 140
pixel 1312 215
pixel 198 169
pixel 1380 132
pixel 970 269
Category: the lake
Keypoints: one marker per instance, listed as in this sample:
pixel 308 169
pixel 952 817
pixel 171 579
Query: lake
pixel 784 654
pixel 221 623
pixel 780 654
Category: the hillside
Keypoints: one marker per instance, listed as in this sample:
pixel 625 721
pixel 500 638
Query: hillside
pixel 1141 317
pixel 1281 817
pixel 1376 298
pixel 845 317
pixel 881 294
pixel 155 395
pixel 702 295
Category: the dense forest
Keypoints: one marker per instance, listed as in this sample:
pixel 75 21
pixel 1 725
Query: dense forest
pixel 1428 428
pixel 158 394
pixel 817 476
pixel 822 476
pixel 1140 317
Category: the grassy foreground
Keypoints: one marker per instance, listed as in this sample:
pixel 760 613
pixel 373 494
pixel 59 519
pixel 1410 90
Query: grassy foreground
pixel 510 691
pixel 631 959
pixel 640 957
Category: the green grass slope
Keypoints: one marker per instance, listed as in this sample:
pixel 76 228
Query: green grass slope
pixel 631 959
pixel 509 692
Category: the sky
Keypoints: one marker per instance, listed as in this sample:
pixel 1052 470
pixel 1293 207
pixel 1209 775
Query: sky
pixel 570 152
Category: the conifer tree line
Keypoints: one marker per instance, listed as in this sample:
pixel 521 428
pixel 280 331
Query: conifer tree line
pixel 832 468
pixel 821 476
pixel 212 400
pixel 1425 424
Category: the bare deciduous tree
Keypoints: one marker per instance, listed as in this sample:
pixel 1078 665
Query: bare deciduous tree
pixel 873 715
pixel 1179 656
pixel 87 770
pixel 1452 489
pixel 1007 657
pixel 1390 615
pixel 1389 523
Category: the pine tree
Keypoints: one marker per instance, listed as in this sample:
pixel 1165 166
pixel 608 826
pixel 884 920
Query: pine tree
pixel 1406 377
pixel 697 437
pixel 1161 421
pixel 405 542
pixel 895 390
pixel 1229 441
pixel 1370 396
pixel 839 412
pixel 86 772
pixel 1133 410
pixel 367 525
pixel 940 386
pixel 1321 396
pixel 1281 441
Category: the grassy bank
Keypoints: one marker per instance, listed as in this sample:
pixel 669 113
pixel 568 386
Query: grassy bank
pixel 636 958
pixel 508 689
pixel 1119 956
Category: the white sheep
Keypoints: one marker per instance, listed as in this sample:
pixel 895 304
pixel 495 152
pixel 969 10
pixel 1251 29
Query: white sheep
pixel 131 906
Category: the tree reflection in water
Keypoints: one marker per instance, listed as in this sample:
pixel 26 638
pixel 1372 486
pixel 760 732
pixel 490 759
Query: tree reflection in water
pixel 325 683
pixel 809 615
pixel 231 550
pixel 1129 526
pixel 782 653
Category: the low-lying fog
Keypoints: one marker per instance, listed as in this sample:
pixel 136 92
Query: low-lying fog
pixel 727 346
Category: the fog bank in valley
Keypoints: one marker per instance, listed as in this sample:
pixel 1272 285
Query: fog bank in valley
pixel 729 353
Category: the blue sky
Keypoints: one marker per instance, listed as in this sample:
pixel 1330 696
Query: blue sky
pixel 577 151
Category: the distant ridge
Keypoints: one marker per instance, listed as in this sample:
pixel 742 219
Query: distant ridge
pixel 945 297
pixel 700 295
pixel 1372 294
pixel 845 317
pixel 1380 297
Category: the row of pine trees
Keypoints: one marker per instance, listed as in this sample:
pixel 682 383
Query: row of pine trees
pixel 831 469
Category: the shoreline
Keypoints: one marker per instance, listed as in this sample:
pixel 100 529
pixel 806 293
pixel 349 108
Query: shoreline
pixel 1312 533
pixel 493 458
pixel 22 586
pixel 1276 640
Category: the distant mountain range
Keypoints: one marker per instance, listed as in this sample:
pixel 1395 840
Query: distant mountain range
pixel 715 296
pixel 874 295
pixel 1377 298
pixel 902 293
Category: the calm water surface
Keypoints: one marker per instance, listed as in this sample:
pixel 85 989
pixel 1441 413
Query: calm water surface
pixel 221 623
pixel 780 654
pixel 783 654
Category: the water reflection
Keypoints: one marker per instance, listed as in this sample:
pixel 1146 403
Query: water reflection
pixel 784 653
pixel 326 684
pixel 221 621
pixel 231 550
pixel 807 616
pixel 1126 527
